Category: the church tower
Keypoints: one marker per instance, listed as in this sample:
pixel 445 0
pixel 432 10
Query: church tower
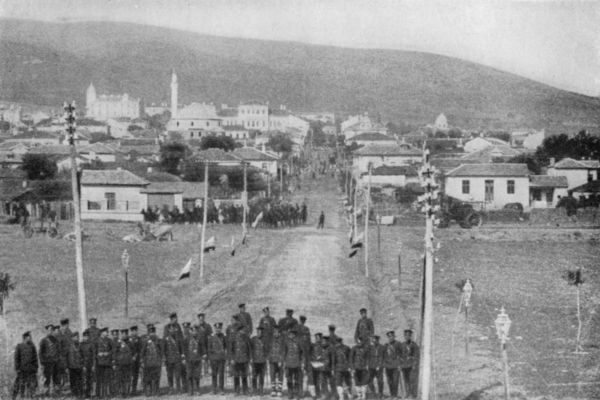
pixel 90 95
pixel 174 87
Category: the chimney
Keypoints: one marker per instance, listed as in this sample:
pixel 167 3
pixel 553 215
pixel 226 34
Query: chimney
pixel 552 161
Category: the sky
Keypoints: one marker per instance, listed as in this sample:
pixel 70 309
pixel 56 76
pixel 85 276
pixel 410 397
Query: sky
pixel 554 42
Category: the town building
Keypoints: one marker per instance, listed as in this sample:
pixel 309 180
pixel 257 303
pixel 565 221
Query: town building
pixel 195 121
pixel 33 139
pixel 99 152
pixel 237 132
pixel 546 190
pixel 183 195
pixel 480 143
pixel 258 159
pixel 578 172
pixel 391 176
pixel 103 107
pixel 377 155
pixel 528 139
pixel 325 117
pixel 490 186
pixel 368 138
pixel 358 124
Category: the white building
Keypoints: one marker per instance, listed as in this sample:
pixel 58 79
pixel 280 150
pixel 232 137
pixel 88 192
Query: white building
pixel 325 117
pixel 441 123
pixel 480 143
pixel 195 121
pixel 237 132
pixel 528 139
pixel 368 138
pixel 112 195
pixel 578 172
pixel 377 155
pixel 546 190
pixel 258 159
pixel 102 107
pixel 386 176
pixel 491 185
pixel 357 124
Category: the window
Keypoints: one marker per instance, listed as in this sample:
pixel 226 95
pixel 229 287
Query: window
pixel 207 124
pixel 111 201
pixel 510 186
pixel 466 186
pixel 191 123
pixel 94 205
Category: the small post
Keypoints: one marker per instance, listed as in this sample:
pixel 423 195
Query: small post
pixel 204 217
pixel 378 219
pixel 125 263
pixel 245 200
pixel 502 328
pixel 367 202
pixel 467 291
pixel 399 267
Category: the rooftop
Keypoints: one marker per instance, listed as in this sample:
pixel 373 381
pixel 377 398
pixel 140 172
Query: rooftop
pixel 547 181
pixel 197 111
pixel 98 148
pixel 387 150
pixel 590 187
pixel 493 169
pixel 228 112
pixel 215 155
pixel 252 154
pixel 394 170
pixel 116 177
pixel 189 190
pixel 570 163
pixel 373 136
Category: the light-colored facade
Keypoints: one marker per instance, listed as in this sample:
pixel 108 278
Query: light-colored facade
pixel 195 121
pixel 357 124
pixel 480 143
pixel 258 159
pixel 578 172
pixel 528 139
pixel 377 155
pixel 546 190
pixel 102 107
pixel 369 138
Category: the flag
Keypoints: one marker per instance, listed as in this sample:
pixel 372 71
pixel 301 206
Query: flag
pixel 259 218
pixel 353 253
pixel 357 245
pixel 210 245
pixel 351 234
pixel 185 272
pixel 244 240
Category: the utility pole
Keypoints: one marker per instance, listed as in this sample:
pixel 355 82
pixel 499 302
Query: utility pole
pixel 269 185
pixel 204 215
pixel 125 263
pixel 427 176
pixel 367 201
pixel 245 200
pixel 70 119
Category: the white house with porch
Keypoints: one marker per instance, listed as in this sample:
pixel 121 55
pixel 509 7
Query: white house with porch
pixel 546 190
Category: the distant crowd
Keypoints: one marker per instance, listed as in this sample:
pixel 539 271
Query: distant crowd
pixel 110 362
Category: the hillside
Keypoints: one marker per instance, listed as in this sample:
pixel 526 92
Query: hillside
pixel 45 63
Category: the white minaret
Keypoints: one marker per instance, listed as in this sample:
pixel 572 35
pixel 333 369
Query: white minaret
pixel 174 95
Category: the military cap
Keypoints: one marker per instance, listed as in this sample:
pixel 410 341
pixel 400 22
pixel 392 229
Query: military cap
pixel 64 321
pixel 408 331
pixel 363 310
pixel 339 339
pixel 218 325
pixel 49 326
pixel 266 309
pixel 148 326
pixel 332 327
pixel 302 318
pixel 289 311
pixel 376 337
pixel 241 305
pixel 236 317
pixel 105 329
pixel 86 332
pixel 260 328
pixel 390 333
pixel 56 327
pixel 319 334
pixel 152 329
pixel 201 314
pixel 124 330
pixel 94 320
pixel 187 324
pixel 114 331
pixel 75 334
pixel 173 315
pixel 325 337
pixel 133 328
pixel 26 334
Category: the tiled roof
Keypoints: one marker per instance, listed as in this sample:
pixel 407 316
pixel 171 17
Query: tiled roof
pixel 118 177
pixel 159 176
pixel 492 169
pixel 395 170
pixel 234 128
pixel 570 163
pixel 189 190
pixel 371 136
pixel 252 154
pixel 34 135
pixel 590 187
pixel 98 148
pixel 228 112
pixel 215 155
pixel 197 111
pixel 387 150
pixel 59 149
pixel 494 151
pixel 545 181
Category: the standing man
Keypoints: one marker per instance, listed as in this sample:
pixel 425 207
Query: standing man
pixel 304 340
pixel 49 358
pixel 328 382
pixel 217 355
pixel 175 325
pixel 409 363
pixel 151 361
pixel 88 353
pixel 376 366
pixel 194 350
pixel 75 366
pixel 241 357
pixel 231 332
pixel 392 353
pixel 333 338
pixel 276 358
pixel 245 319
pixel 114 380
pixel 94 332
pixel 318 362
pixel 293 361
pixel 26 366
pixel 135 343
pixel 321 224
pixel 259 358
pixel 64 343
pixel 104 364
pixel 204 331
pixel 124 363
pixel 364 328
pixel 359 359
pixel 268 325
pixel 174 356
pixel 340 356
pixel 288 322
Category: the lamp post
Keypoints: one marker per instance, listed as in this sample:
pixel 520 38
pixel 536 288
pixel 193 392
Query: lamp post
pixel 502 327
pixel 125 263
pixel 467 291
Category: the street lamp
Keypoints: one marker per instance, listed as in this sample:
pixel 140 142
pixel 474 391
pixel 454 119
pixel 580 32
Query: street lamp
pixel 502 327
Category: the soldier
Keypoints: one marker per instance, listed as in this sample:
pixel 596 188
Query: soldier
pixel 288 322
pixel 333 338
pixel 203 330
pixel 392 352
pixel 268 324
pixel 193 347
pixel 26 366
pixel 187 328
pixel 376 366
pixel 93 330
pixel 259 359
pixel 49 358
pixel 88 353
pixel 245 319
pixel 364 328
pixel 318 362
pixel 174 356
pixel 409 363
pixel 135 343
pixel 151 361
pixel 104 364
pixel 340 357
pixel 173 323
pixel 303 213
pixel 64 337
pixel 123 355
pixel 217 355
pixel 321 224
pixel 75 365
pixel 304 340
pixel 230 333
pixel 293 361
pixel 114 385
pixel 359 359
pixel 276 358
pixel 240 357
pixel 328 382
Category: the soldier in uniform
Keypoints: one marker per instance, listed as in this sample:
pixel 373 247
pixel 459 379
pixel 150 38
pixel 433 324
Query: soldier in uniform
pixel 259 360
pixel 304 340
pixel 104 364
pixel 174 356
pixel 328 381
pixel 114 386
pixel 88 353
pixel 318 362
pixel 124 361
pixel 64 337
pixel 276 358
pixel 293 361
pixel 364 328
pixel 75 366
pixel 359 360
pixel 240 357
pixel 376 366
pixel 333 338
pixel 392 351
pixel 93 330
pixel 173 324
pixel 135 343
pixel 193 347
pixel 26 366
pixel 268 324
pixel 203 330
pixel 245 319
pixel 217 355
pixel 340 357
pixel 187 330
pixel 409 363
pixel 288 322
pixel 49 358
pixel 151 361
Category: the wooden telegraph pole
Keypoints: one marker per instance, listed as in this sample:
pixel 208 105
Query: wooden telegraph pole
pixel 204 215
pixel 427 176
pixel 70 119
pixel 367 201
pixel 125 263
pixel 245 201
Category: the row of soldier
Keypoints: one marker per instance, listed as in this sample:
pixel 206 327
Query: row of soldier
pixel 279 350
